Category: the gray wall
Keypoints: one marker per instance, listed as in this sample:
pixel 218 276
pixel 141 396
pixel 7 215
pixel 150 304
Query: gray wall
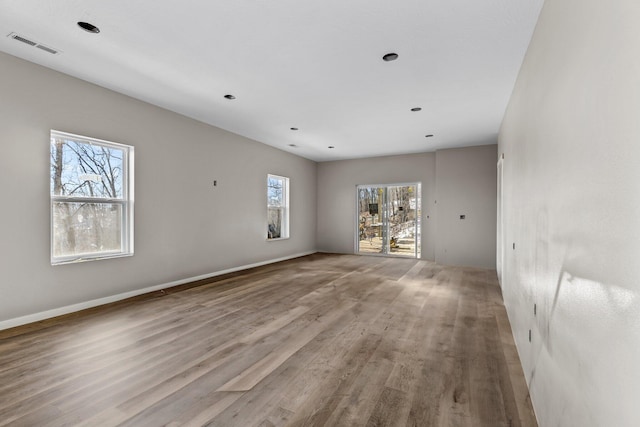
pixel 462 180
pixel 466 185
pixel 572 206
pixel 337 183
pixel 184 227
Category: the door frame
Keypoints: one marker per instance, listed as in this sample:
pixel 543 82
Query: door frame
pixel 418 216
pixel 500 241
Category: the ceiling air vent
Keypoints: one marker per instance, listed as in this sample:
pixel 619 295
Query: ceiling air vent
pixel 32 43
pixel 22 39
pixel 47 49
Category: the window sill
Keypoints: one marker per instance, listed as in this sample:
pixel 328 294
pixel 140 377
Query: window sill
pixel 80 259
pixel 279 238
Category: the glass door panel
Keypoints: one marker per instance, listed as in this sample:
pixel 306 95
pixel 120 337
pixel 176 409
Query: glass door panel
pixel 402 220
pixel 370 225
pixel 389 220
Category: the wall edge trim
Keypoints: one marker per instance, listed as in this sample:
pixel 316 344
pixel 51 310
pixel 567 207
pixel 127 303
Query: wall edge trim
pixel 60 311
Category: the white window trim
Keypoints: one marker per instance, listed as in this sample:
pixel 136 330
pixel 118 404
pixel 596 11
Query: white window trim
pixel 127 203
pixel 285 209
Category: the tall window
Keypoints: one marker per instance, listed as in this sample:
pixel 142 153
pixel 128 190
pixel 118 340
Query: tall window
pixel 91 199
pixel 277 207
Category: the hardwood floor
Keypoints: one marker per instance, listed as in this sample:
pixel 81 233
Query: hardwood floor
pixel 323 340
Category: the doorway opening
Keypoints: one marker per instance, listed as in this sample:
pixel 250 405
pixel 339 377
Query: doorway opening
pixel 500 225
pixel 388 220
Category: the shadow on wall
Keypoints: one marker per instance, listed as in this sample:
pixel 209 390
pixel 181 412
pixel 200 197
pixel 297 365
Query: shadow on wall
pixel 581 328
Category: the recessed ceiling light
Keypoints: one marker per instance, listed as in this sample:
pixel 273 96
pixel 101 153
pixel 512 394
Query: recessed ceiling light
pixel 89 27
pixel 428 136
pixel 390 57
pixel 294 128
pixel 416 109
pixel 331 146
pixel 230 97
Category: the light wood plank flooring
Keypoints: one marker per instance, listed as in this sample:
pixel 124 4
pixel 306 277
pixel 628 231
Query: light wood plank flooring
pixel 323 340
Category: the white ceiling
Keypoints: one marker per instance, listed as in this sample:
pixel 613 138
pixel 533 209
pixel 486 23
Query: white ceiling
pixel 314 65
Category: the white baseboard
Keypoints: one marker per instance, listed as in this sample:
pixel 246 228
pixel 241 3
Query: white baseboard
pixel 36 317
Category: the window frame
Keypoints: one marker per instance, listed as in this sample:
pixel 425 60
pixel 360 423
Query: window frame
pixel 283 207
pixel 126 202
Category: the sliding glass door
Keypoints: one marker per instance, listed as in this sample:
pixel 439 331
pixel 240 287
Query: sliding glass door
pixel 389 219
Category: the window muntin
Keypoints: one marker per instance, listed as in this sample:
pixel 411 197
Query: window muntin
pixel 277 207
pixel 91 186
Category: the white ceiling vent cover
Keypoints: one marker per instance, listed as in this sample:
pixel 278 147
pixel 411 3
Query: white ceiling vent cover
pixel 25 40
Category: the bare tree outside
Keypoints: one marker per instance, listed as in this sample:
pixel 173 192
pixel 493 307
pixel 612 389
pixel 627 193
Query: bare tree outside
pixel 389 219
pixel 276 207
pixel 88 197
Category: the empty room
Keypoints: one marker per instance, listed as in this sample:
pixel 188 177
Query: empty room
pixel 280 213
